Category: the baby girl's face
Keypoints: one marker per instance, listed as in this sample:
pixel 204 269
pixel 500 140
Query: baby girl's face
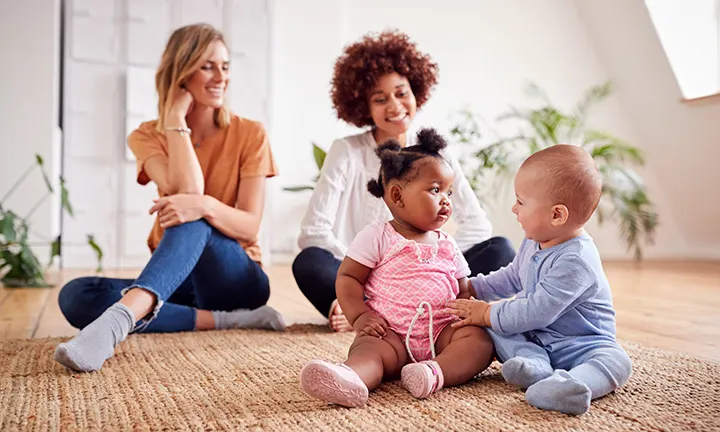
pixel 532 207
pixel 426 199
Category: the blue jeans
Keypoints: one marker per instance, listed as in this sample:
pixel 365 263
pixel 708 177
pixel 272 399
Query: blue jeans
pixel 195 266
pixel 315 269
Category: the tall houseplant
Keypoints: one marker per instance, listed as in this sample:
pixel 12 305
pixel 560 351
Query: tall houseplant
pixel 624 195
pixel 19 266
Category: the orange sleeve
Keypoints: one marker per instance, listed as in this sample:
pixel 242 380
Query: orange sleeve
pixel 145 145
pixel 257 159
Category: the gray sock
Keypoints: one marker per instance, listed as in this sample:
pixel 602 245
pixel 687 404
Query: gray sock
pixel 560 392
pixel 96 343
pixel 524 372
pixel 263 317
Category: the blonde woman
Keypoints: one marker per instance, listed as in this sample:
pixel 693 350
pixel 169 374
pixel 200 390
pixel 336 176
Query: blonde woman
pixel 210 168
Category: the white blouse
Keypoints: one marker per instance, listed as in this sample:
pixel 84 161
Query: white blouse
pixel 341 205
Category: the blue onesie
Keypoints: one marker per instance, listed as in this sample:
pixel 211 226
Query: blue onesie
pixel 556 338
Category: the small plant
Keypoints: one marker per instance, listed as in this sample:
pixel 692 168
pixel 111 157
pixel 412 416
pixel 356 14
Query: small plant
pixel 624 196
pixel 19 264
pixel 319 155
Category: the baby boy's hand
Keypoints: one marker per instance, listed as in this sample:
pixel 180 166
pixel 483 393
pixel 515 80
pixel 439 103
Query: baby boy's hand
pixel 474 312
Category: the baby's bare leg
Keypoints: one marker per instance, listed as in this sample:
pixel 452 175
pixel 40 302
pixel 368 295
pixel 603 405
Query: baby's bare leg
pixel 463 353
pixel 373 358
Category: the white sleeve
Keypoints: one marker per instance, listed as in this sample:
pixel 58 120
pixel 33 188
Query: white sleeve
pixel 472 222
pixel 316 228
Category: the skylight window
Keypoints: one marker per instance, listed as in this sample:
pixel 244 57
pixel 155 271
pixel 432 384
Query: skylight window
pixel 688 31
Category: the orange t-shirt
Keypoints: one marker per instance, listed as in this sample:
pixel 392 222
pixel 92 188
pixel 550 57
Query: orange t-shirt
pixel 239 151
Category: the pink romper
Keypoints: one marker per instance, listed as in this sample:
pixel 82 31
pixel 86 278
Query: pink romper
pixel 406 278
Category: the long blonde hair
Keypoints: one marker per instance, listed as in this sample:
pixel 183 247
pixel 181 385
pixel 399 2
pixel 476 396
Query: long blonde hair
pixel 182 57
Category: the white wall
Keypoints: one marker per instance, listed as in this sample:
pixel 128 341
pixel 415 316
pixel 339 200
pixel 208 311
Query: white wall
pixel 486 51
pixel 681 139
pixel 29 85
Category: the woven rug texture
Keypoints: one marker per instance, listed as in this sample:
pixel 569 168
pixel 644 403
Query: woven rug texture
pixel 248 380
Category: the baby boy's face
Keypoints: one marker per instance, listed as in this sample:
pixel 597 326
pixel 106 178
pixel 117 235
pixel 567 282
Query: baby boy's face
pixel 532 207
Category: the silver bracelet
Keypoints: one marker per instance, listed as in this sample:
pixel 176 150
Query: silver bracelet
pixel 181 130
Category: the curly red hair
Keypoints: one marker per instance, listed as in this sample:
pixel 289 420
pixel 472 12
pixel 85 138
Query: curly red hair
pixel 363 63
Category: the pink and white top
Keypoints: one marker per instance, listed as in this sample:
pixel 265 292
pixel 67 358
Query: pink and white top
pixel 405 275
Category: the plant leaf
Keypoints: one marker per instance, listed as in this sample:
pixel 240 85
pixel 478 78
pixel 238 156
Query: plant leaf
pixel 319 155
pixel 98 251
pixel 298 188
pixel 41 163
pixel 610 149
pixel 54 250
pixel 7 226
pixel 592 96
pixel 64 198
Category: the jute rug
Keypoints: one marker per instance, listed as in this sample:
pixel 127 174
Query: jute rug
pixel 248 380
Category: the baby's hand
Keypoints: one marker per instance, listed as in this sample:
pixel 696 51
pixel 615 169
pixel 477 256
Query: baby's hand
pixel 474 312
pixel 371 324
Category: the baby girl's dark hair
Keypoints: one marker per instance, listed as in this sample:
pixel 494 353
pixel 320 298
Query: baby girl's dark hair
pixel 397 162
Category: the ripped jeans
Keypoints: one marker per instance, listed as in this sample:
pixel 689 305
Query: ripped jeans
pixel 195 266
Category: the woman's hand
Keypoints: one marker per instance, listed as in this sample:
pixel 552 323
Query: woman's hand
pixel 371 324
pixel 178 209
pixel 180 108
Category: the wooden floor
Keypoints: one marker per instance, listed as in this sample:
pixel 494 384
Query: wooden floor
pixel 674 306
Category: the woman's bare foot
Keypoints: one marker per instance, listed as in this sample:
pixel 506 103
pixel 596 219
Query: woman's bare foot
pixel 338 322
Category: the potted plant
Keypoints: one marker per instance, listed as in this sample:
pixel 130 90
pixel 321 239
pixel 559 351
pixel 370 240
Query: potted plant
pixel 19 266
pixel 624 195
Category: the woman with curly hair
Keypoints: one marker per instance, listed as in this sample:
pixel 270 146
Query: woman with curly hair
pixel 379 83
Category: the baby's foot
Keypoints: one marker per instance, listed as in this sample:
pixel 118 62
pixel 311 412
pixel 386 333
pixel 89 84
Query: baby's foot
pixel 524 372
pixel 96 343
pixel 422 379
pixel 560 392
pixel 334 383
pixel 263 317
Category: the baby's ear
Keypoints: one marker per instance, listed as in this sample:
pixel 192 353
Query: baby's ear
pixel 396 195
pixel 560 215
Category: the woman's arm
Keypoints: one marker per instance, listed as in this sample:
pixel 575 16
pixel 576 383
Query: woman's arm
pixel 184 174
pixel 243 221
pixel 316 228
pixel 179 172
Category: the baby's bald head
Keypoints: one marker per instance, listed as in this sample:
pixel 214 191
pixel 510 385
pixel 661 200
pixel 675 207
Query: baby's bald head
pixel 567 175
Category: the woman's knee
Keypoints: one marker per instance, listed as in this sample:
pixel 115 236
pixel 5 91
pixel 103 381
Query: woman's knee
pixel 73 301
pixel 305 265
pixel 198 226
pixel 503 250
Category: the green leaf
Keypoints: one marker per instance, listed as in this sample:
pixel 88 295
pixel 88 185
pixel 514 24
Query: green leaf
pixel 7 226
pixel 64 198
pixel 41 163
pixel 610 149
pixel 54 250
pixel 591 97
pixel 298 188
pixel 534 91
pixel 319 155
pixel 98 251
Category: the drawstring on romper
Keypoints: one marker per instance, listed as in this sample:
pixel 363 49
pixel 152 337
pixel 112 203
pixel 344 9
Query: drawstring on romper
pixel 420 312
